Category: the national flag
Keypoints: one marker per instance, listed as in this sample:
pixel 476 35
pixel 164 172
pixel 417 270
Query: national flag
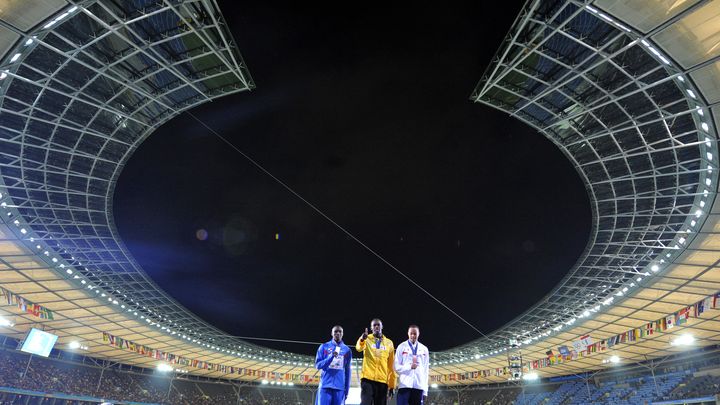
pixel 669 321
pixel 8 296
pixel 707 303
pixel 682 316
pixel 699 308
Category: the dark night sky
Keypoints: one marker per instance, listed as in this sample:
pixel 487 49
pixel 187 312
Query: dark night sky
pixel 365 113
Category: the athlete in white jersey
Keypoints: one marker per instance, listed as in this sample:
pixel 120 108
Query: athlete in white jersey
pixel 412 361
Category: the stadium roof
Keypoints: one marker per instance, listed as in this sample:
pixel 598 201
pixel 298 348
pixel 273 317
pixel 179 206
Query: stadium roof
pixel 83 84
pixel 627 91
pixel 629 96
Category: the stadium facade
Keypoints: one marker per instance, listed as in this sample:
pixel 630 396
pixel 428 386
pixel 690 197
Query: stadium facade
pixel 627 90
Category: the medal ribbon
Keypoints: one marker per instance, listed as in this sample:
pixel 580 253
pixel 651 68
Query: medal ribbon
pixel 413 349
pixel 377 342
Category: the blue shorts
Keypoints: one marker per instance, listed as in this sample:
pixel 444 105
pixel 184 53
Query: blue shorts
pixel 330 396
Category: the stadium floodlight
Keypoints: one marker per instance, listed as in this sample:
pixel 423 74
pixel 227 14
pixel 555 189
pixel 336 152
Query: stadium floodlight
pixel 74 344
pixel 6 322
pixel 264 382
pixel 164 368
pixel 530 377
pixel 615 359
pixel 685 339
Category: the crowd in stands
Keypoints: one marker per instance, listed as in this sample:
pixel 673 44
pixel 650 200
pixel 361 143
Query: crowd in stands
pixel 51 376
pixel 482 397
pixel 58 377
pixel 636 390
pixel 701 386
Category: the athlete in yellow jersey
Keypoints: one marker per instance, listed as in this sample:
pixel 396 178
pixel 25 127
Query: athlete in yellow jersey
pixel 377 379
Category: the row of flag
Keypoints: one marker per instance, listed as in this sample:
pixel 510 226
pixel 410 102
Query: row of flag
pixel 27 306
pixel 663 324
pixel 143 350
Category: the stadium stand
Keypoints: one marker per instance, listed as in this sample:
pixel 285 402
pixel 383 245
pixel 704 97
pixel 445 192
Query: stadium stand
pixel 485 396
pixel 442 397
pixel 28 380
pixel 701 386
pixel 63 379
pixel 634 390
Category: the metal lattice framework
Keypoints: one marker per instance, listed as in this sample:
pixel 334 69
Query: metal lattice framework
pixel 79 94
pixel 635 129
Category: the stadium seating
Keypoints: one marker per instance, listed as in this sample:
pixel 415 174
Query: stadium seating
pixel 40 377
pixel 54 381
pixel 701 386
pixel 487 396
pixel 635 390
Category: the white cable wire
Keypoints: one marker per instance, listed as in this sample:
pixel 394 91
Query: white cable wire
pixel 345 231
pixel 303 342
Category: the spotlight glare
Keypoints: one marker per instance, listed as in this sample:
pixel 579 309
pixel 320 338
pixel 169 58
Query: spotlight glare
pixel 685 339
pixel 530 377
pixel 164 368
pixel 6 322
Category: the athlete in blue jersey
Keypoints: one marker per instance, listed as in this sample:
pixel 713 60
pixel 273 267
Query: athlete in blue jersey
pixel 334 359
